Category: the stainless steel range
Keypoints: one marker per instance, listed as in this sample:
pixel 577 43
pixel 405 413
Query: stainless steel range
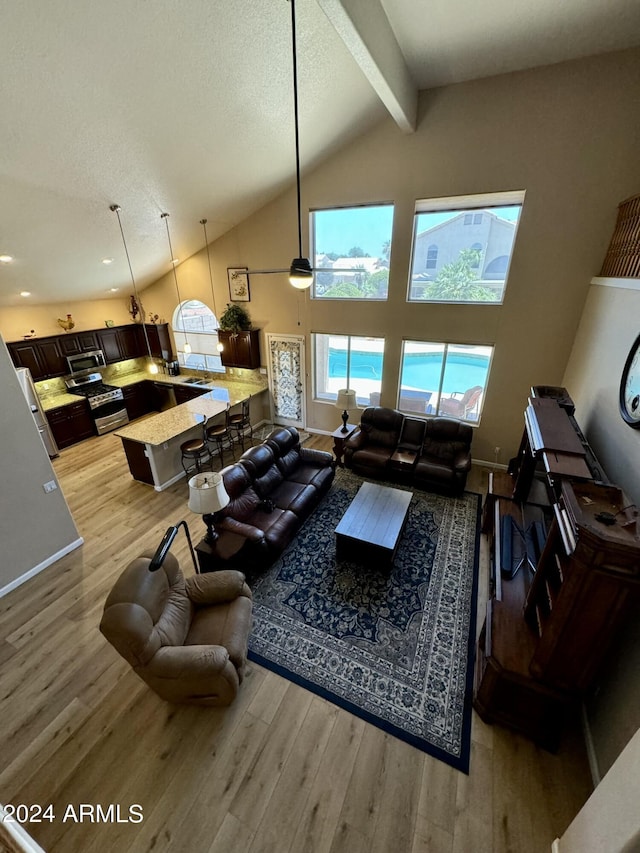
pixel 105 401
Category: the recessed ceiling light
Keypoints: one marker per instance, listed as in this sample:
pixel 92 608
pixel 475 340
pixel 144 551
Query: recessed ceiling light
pixel 107 260
pixel 113 290
pixel 5 259
pixel 25 293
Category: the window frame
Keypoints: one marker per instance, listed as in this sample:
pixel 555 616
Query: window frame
pixel 437 394
pixel 314 253
pixel 330 397
pixel 208 362
pixel 470 206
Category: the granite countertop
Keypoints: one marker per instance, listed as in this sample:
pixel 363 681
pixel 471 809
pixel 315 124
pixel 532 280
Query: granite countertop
pixel 164 426
pixel 225 389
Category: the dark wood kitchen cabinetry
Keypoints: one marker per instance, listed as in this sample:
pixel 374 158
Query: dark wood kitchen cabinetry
pixel 240 349
pixel 140 399
pixel 42 357
pixel 159 340
pixel 47 357
pixel 185 394
pixel 70 424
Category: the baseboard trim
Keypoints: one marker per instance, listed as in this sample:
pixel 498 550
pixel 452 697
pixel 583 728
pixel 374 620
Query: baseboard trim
pixel 41 566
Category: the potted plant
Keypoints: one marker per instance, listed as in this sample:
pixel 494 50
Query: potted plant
pixel 235 319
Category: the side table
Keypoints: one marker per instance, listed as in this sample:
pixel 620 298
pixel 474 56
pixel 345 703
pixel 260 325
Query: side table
pixel 213 556
pixel 339 438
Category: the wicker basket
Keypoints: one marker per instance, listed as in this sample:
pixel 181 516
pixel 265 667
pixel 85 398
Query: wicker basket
pixel 623 256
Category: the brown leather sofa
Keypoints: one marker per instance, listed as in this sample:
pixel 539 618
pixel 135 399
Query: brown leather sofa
pixel 186 638
pixel 273 488
pixel 434 453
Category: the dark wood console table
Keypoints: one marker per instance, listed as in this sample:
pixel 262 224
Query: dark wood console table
pixel 546 634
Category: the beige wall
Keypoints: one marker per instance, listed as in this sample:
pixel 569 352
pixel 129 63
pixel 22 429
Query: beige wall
pixel 566 134
pixel 34 526
pixel 609 326
pixel 18 321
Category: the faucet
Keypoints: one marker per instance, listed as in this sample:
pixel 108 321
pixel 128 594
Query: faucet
pixel 201 366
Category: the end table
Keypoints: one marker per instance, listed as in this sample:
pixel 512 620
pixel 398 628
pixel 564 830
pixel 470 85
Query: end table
pixel 339 438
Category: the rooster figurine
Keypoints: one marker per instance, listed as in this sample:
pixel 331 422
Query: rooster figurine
pixel 67 324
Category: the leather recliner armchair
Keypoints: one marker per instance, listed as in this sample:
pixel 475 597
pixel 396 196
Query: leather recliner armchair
pixel 187 639
pixel 368 450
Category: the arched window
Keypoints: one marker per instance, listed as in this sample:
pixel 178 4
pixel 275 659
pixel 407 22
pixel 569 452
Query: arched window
pixel 195 323
pixel 432 257
pixel 497 269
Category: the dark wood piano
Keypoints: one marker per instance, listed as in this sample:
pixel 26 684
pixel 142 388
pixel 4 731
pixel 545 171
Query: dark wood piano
pixel 565 558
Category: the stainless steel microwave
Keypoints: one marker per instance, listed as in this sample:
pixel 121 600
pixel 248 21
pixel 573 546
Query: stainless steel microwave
pixel 86 361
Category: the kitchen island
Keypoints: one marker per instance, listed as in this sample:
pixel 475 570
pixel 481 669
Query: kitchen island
pixel 152 444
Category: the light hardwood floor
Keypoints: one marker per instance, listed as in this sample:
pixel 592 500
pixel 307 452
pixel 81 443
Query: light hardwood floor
pixel 280 770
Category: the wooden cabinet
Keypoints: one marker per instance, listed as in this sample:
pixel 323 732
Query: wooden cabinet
pixel 72 423
pixel 47 357
pixel 549 627
pixel 140 399
pixel 26 354
pixel 184 394
pixel 42 357
pixel 240 349
pixel 159 340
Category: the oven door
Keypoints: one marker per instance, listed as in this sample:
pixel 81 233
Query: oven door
pixel 110 416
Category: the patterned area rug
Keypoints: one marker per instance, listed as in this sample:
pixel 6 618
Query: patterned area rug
pixel 395 649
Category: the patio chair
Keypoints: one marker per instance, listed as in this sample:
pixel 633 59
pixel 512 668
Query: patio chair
pixel 464 407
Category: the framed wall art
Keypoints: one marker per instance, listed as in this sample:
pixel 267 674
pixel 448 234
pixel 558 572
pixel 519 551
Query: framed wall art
pixel 238 278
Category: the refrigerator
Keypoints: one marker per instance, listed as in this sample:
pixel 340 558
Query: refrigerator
pixel 31 396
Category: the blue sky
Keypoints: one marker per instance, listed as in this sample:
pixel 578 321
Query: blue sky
pixel 370 227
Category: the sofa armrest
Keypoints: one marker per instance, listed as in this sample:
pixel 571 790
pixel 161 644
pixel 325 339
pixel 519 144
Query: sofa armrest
pixel 248 531
pixel 316 457
pixel 462 461
pixel 356 440
pixel 217 587
pixel 188 661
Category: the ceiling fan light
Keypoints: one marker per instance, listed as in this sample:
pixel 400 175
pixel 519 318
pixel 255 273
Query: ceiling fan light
pixel 300 273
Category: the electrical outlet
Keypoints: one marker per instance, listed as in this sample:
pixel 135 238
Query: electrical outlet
pixel 51 486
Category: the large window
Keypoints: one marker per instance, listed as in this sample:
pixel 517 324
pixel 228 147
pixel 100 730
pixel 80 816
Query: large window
pixel 345 361
pixel 351 248
pixel 462 248
pixel 444 379
pixel 195 324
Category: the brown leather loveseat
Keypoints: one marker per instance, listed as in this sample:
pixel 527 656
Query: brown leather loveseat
pixel 273 487
pixel 434 453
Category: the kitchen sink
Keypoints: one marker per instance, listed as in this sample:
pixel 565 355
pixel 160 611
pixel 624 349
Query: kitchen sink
pixel 191 381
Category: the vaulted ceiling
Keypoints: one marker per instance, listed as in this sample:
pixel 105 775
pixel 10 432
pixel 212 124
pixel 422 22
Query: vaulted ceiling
pixel 187 108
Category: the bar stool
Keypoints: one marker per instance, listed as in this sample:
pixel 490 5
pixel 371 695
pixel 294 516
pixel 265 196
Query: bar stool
pixel 196 452
pixel 219 433
pixel 240 422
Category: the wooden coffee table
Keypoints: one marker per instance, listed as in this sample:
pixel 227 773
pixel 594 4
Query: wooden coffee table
pixel 370 529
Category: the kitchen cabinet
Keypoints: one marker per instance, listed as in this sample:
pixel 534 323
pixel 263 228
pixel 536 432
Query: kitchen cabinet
pixel 128 338
pixel 240 349
pixel 109 343
pixel 70 424
pixel 185 394
pixel 42 357
pixel 140 399
pixel 72 344
pixel 159 340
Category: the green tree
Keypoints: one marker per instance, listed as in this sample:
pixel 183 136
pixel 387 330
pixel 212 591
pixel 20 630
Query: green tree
pixel 343 290
pixel 456 281
pixel 357 252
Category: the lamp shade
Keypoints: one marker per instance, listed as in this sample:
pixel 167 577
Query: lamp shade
pixel 346 399
pixel 207 494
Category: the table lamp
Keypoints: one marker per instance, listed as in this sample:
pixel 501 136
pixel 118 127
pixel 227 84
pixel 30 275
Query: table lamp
pixel 207 496
pixel 346 400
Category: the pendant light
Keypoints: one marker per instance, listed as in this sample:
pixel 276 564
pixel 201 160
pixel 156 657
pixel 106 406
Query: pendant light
pixel 300 274
pixel 153 367
pixel 203 222
pixel 187 345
